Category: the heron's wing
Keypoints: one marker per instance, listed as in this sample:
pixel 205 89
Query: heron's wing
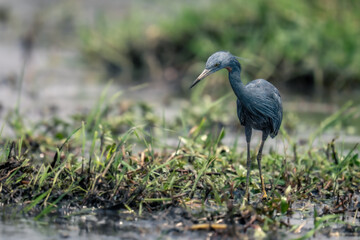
pixel 279 113
pixel 240 112
pixel 265 104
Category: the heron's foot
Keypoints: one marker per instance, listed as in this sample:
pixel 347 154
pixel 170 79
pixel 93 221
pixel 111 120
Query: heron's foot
pixel 245 203
pixel 246 198
pixel 264 196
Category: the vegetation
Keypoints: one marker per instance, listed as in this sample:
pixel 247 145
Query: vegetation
pixel 125 157
pixel 307 41
pixel 119 157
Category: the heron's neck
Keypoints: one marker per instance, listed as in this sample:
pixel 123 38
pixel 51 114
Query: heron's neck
pixel 236 83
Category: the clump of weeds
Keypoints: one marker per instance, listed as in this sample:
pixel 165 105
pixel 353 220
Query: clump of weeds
pixel 117 158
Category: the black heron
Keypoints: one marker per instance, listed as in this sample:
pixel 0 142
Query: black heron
pixel 258 105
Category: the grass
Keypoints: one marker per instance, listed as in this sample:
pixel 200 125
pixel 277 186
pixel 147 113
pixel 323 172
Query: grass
pixel 121 161
pixel 305 41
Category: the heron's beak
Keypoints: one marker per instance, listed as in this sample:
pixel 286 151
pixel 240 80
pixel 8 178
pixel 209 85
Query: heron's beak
pixel 205 73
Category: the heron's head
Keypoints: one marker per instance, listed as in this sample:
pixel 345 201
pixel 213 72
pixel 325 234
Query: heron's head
pixel 215 62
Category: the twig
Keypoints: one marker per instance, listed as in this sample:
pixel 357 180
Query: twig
pixel 60 148
pixel 8 174
pixel 252 220
pixel 295 153
pixel 108 165
pixel 12 146
pixel 334 154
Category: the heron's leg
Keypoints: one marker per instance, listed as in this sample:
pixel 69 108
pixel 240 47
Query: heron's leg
pixel 264 195
pixel 248 131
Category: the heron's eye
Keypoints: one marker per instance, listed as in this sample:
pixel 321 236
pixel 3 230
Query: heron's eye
pixel 216 64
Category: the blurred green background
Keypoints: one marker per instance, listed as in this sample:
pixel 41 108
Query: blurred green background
pixel 304 45
pixel 310 50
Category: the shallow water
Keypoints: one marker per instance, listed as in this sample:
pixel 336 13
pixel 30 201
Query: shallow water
pixel 101 224
pixel 167 224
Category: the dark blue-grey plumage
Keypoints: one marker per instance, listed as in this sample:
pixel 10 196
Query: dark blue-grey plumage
pixel 262 109
pixel 258 104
